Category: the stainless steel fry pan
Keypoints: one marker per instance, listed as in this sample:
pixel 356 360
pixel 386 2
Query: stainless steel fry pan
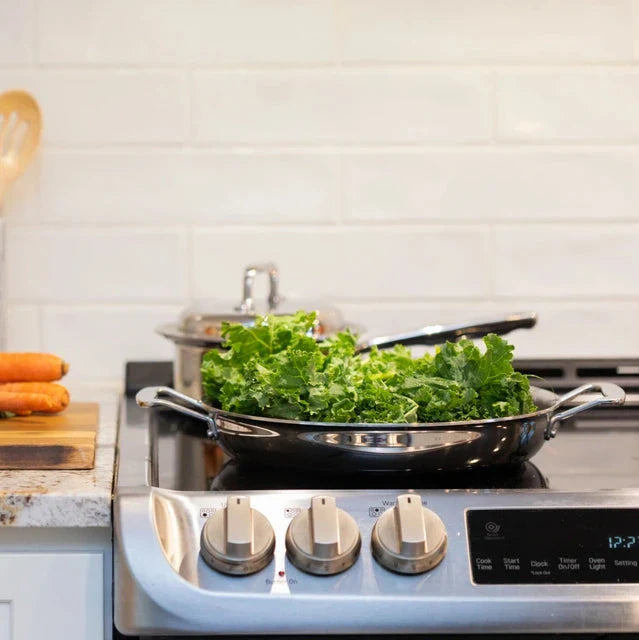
pixel 441 446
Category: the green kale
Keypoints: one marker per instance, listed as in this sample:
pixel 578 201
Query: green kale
pixel 276 369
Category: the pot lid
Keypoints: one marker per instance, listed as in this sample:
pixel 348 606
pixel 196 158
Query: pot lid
pixel 200 325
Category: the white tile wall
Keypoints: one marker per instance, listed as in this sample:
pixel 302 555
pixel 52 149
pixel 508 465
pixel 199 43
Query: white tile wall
pixel 16 32
pixel 182 32
pixel 492 184
pixel 349 263
pixel 488 31
pixel 141 187
pixel 597 105
pixel 418 161
pixel 527 259
pixel 104 337
pixel 107 107
pixel 346 106
pixel 96 264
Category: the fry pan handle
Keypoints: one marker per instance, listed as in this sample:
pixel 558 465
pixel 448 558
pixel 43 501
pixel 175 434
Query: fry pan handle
pixel 172 399
pixel 611 394
pixel 438 334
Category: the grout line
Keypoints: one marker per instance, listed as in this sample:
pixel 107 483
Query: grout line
pixel 380 302
pixel 495 108
pixel 190 264
pixel 339 65
pixel 190 85
pixel 634 16
pixel 342 199
pixel 35 43
pixel 348 226
pixel 40 323
pixel 326 147
pixel 490 246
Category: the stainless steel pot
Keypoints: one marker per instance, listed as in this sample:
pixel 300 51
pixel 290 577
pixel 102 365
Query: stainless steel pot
pixel 199 330
pixel 443 446
pixel 199 327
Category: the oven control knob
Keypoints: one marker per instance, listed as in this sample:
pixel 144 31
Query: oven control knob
pixel 237 540
pixel 323 540
pixel 409 538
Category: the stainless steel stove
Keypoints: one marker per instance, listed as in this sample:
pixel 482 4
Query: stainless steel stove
pixel 551 546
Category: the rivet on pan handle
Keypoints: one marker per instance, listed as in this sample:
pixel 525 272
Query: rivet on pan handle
pixel 159 397
pixel 611 394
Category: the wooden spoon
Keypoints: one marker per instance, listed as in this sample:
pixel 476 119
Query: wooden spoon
pixel 20 129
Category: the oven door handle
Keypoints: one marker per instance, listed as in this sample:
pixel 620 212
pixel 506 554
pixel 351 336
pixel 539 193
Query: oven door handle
pixel 172 399
pixel 611 394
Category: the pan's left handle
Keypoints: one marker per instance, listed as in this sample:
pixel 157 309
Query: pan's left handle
pixel 172 399
pixel 611 394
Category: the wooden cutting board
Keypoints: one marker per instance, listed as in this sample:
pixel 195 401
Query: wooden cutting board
pixel 64 441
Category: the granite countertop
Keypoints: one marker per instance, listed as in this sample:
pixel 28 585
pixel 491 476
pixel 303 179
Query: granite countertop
pixel 66 498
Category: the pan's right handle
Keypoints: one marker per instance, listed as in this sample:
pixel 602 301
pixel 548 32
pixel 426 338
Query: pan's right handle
pixel 172 399
pixel 611 394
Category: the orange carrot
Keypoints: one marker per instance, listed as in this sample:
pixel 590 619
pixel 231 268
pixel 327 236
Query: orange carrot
pixel 25 403
pixel 56 392
pixel 31 367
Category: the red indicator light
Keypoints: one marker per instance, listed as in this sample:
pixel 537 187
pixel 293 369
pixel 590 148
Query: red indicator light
pixel 281 574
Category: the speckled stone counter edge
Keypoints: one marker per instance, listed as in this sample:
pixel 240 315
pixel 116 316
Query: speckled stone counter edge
pixel 65 498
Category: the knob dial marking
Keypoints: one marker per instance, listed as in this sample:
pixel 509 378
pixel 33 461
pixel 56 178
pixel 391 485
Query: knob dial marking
pixel 323 540
pixel 409 538
pixel 237 540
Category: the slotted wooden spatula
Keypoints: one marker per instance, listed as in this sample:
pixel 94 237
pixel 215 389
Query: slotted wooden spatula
pixel 20 128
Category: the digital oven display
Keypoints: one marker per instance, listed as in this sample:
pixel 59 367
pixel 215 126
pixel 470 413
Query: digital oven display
pixel 554 546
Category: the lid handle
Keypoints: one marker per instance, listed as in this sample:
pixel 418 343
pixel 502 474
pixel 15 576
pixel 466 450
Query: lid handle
pixel 248 300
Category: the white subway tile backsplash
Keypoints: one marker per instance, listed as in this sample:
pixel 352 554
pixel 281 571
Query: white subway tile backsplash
pixel 20 203
pixel 156 187
pixel 487 31
pixel 65 265
pixel 596 105
pixel 16 32
pixel 331 106
pixel 492 184
pixel 416 161
pixel 347 263
pixel 23 328
pixel 175 32
pixel 82 107
pixel 564 261
pixel 96 341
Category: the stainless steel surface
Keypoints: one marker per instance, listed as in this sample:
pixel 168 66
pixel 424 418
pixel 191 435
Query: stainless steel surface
pixel 323 540
pixel 438 334
pixel 607 389
pixel 237 539
pixel 347 446
pixel 163 587
pixel 247 304
pixel 409 538
pixel 199 328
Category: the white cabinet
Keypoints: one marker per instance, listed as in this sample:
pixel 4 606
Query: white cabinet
pixel 57 596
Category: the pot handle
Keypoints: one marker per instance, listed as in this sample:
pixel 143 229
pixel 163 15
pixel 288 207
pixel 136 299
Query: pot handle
pixel 611 394
pixel 248 300
pixel 438 334
pixel 160 397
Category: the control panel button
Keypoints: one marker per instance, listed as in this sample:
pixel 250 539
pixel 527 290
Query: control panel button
pixel 324 539
pixel 237 540
pixel 409 538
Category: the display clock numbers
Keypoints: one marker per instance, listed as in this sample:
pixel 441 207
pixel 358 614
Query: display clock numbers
pixel 623 542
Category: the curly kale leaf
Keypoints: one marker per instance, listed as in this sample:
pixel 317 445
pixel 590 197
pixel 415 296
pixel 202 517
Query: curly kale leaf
pixel 277 369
